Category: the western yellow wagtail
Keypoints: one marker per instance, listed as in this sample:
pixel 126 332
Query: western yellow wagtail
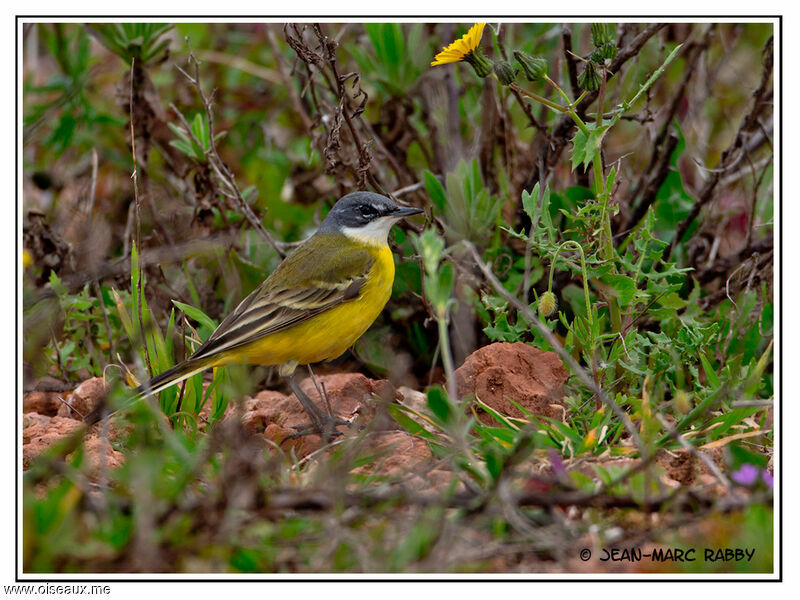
pixel 313 307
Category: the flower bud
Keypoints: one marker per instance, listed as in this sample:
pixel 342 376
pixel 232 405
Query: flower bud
pixel 481 64
pixel 681 402
pixel 534 67
pixel 601 34
pixel 547 304
pixel 600 55
pixel 504 72
pixel 609 50
pixel 589 79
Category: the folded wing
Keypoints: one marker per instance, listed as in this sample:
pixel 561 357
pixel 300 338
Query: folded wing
pixel 286 298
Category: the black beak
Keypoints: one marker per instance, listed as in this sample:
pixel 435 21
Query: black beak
pixel 406 211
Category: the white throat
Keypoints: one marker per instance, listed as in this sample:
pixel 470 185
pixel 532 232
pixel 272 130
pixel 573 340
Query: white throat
pixel 374 233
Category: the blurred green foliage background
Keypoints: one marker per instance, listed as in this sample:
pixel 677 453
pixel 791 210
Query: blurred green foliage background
pixel 247 133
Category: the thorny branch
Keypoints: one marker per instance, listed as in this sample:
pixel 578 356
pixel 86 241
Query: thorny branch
pixel 734 153
pixel 316 62
pixel 231 189
pixel 666 141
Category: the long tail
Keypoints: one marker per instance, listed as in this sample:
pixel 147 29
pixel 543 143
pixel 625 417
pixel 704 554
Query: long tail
pixel 158 383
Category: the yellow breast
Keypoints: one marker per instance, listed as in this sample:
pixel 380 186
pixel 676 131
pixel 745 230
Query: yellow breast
pixel 327 335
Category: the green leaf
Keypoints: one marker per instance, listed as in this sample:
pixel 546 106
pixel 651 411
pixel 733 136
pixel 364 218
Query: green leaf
pixel 56 285
pixel 530 204
pixel 612 174
pixel 179 132
pixel 438 403
pixel 445 285
pixel 711 375
pixel 183 147
pixel 754 378
pixel 586 146
pixel 624 288
pixel 701 409
pixel 399 414
pixel 135 274
pixel 546 217
pixel 200 131
pixel 672 300
pixel 435 190
pixel 197 314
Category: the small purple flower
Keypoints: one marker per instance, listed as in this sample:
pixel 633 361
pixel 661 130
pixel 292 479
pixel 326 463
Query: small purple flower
pixel 747 474
pixel 559 470
pixel 767 478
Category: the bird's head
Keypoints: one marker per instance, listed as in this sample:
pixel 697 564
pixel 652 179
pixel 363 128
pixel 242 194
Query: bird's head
pixel 365 217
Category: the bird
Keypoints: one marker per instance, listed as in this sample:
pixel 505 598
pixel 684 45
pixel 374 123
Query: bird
pixel 318 301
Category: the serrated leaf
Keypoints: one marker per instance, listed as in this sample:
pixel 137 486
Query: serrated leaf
pixel 624 288
pixel 530 204
pixel 585 146
pixel 672 300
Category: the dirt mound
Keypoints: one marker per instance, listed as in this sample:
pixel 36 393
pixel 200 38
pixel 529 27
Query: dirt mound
pixel 84 399
pixel 529 376
pixel 494 373
pixel 39 432
pixel 351 397
pixel 43 403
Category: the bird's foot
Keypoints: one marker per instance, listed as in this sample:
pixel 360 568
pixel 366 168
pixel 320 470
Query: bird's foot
pixel 326 428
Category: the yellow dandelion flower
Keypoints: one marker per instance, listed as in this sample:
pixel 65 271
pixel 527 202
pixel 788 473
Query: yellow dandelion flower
pixel 462 48
pixel 27 259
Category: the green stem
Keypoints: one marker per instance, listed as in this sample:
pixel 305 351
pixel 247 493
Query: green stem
pixel 639 263
pixel 447 357
pixel 561 92
pixel 561 109
pixel 579 99
pixel 608 241
pixel 656 74
pixel 600 191
pixel 578 121
pixel 538 98
pixel 583 272
pixel 602 194
pixel 601 99
pixel 631 235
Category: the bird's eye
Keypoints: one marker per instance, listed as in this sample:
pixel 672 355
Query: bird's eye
pixel 367 211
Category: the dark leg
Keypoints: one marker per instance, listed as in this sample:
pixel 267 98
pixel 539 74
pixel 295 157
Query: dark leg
pixel 323 393
pixel 321 423
pixel 314 413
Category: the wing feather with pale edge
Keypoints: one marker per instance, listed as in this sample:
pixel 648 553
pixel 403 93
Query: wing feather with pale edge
pixel 312 280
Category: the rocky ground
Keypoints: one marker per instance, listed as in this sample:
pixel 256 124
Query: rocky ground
pixel 530 377
pixel 495 374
